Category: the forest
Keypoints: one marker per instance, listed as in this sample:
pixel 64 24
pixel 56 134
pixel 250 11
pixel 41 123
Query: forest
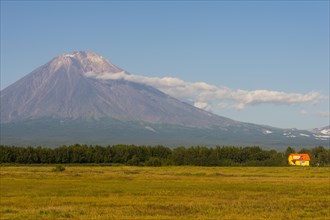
pixel 133 155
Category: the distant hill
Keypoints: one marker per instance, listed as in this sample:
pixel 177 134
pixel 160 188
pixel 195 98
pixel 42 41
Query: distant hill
pixel 60 103
pixel 321 133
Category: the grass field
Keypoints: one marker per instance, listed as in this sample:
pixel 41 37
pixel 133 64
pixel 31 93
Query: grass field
pixel 109 192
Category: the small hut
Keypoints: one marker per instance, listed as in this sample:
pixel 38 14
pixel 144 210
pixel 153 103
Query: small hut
pixel 299 159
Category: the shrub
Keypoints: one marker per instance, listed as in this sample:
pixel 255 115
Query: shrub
pixel 153 162
pixel 58 168
pixel 135 161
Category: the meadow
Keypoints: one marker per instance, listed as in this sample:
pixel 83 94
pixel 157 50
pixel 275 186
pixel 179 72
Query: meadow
pixel 172 192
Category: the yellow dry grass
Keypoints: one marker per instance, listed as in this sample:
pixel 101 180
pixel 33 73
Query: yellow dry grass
pixel 107 192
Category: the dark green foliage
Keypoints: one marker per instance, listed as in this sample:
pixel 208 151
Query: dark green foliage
pixel 158 156
pixel 135 161
pixel 320 156
pixel 289 150
pixel 153 162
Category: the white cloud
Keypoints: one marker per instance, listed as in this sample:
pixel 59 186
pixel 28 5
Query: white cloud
pixel 323 114
pixel 205 95
pixel 303 112
pixel 202 105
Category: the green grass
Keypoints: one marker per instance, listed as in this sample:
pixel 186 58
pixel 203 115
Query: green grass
pixel 100 192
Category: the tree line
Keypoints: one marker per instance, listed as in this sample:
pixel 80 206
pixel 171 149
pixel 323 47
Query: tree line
pixel 158 155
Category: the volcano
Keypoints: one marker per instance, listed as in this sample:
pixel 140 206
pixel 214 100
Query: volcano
pixel 68 101
pixel 63 89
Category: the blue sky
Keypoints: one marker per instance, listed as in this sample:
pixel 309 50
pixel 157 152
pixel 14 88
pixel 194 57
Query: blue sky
pixel 266 54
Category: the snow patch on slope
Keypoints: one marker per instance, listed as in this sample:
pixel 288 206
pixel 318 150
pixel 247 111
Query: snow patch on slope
pixel 150 129
pixel 325 131
pixel 266 131
pixel 304 135
pixel 289 135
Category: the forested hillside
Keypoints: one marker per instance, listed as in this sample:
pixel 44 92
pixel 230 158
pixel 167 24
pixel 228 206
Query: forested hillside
pixel 158 155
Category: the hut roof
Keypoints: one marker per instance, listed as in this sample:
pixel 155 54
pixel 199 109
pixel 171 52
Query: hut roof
pixel 300 156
